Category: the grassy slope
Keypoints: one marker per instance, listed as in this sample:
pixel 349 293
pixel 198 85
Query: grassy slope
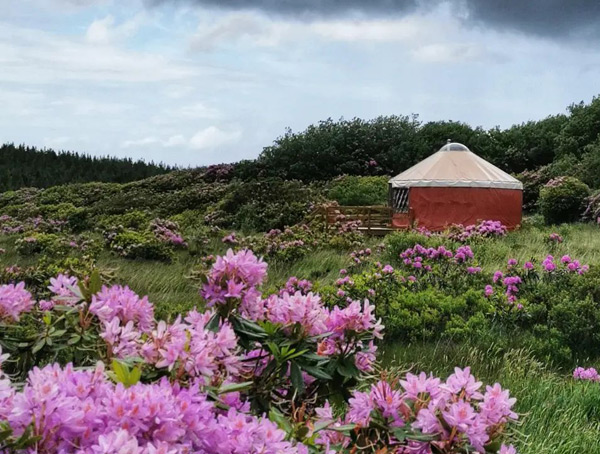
pixel 558 415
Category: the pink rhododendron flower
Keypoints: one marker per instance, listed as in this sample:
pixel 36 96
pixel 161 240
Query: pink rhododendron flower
pixel 14 301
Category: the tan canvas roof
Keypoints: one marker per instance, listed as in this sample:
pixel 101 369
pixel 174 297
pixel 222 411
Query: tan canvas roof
pixel 455 166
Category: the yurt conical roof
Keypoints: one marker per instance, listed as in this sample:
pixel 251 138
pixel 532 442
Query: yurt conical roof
pixel 454 165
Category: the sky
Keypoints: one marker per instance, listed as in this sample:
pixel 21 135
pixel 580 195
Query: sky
pixel 196 82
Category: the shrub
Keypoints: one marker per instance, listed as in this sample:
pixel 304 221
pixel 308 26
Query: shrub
pixel 137 245
pixel 137 220
pixel 429 314
pixel 48 243
pixel 398 242
pixel 251 374
pixel 562 200
pixel 353 190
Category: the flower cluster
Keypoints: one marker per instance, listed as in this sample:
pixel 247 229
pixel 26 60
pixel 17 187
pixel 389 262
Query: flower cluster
pixel 167 232
pixel 232 281
pixel 189 347
pixel 422 258
pixel 485 229
pixel 590 374
pixel 569 265
pixel 124 305
pixel 555 238
pixel 455 415
pixel 294 285
pixel 81 411
pixel 358 257
pixel 12 226
pixel 14 300
pixel 230 239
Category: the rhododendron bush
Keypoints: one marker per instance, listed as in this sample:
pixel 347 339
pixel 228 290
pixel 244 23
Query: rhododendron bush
pixel 253 373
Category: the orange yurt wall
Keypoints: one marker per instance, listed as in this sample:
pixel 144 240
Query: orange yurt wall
pixel 435 208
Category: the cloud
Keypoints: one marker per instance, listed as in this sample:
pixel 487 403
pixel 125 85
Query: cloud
pixel 174 141
pixel 106 30
pixel 449 52
pixel 213 137
pixel 140 142
pixel 36 56
pixel 546 18
pixel 209 138
pixel 309 8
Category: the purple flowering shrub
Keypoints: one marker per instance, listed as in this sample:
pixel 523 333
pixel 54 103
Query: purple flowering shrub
pixel 422 413
pixel 485 229
pixel 411 309
pixel 167 232
pixel 589 374
pixel 10 225
pixel 508 285
pixel 205 381
pixel 441 267
pixel 295 242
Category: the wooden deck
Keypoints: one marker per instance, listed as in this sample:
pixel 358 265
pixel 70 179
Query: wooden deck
pixel 374 220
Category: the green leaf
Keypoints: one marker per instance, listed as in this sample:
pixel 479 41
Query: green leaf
pixel 317 373
pixel 213 323
pixel 296 375
pixel 233 387
pixel 322 425
pixel 74 339
pixel 95 283
pixel 278 418
pixel 39 345
pixel 344 429
pixel 347 368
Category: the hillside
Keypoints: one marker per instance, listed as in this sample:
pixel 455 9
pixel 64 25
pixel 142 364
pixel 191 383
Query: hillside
pixel 23 166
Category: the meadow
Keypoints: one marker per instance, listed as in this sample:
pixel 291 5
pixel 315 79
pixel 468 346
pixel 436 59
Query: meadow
pixel 557 414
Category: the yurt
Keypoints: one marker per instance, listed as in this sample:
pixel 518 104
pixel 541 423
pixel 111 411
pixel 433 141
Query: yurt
pixel 454 186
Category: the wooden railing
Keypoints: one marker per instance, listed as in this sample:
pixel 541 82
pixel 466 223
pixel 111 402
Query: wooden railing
pixel 373 219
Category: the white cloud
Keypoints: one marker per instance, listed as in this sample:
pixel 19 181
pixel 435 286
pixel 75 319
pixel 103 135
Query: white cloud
pixel 449 52
pixel 174 141
pixel 106 31
pixel 390 30
pixel 139 142
pixel 209 138
pixel 35 56
pixel 213 137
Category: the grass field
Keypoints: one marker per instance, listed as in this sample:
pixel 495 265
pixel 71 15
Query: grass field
pixel 558 415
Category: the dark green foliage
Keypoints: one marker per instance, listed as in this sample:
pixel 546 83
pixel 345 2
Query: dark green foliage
pixel 430 314
pixel 563 200
pixel 357 191
pixel 265 204
pixel 132 244
pixel 22 166
pixel 381 146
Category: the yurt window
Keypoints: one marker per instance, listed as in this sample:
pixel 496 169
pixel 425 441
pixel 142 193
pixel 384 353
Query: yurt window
pixel 400 200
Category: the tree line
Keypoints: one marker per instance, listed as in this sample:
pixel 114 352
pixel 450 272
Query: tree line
pixel 25 166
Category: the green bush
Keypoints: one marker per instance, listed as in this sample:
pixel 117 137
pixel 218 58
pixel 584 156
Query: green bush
pixel 429 314
pixel 355 191
pixel 48 243
pixel 61 211
pixel 138 245
pixel 563 200
pixel 137 220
